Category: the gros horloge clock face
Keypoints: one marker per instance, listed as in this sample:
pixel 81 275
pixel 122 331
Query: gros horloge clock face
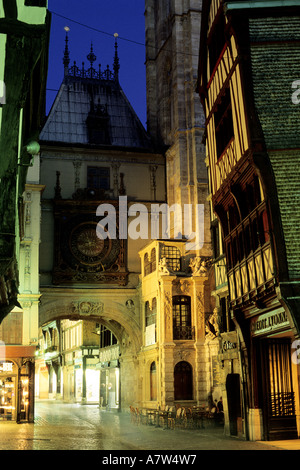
pixel 81 256
pixel 86 246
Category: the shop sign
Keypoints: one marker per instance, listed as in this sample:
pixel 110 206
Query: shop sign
pixel 6 367
pixel 109 354
pixel 227 345
pixel 269 322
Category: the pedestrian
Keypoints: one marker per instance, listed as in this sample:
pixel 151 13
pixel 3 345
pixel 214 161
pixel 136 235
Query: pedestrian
pixel 220 405
pixel 220 412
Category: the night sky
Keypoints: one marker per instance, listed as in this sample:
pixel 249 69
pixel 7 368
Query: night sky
pixel 96 21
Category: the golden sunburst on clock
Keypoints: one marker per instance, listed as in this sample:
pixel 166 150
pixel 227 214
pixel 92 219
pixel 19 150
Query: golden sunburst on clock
pixel 86 246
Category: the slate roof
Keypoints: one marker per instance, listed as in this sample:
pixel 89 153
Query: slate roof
pixel 92 109
pixel 275 52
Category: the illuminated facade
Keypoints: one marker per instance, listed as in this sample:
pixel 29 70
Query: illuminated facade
pixel 24 37
pixel 95 156
pixel 247 73
pixel 185 350
pixel 154 295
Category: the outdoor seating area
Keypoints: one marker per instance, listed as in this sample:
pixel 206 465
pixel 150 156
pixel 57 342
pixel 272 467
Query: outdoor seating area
pixel 174 417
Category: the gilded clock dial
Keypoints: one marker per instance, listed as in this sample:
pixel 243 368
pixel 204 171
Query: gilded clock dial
pixel 86 246
pixel 88 243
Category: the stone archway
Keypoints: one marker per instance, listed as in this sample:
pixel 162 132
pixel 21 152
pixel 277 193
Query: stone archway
pixel 117 310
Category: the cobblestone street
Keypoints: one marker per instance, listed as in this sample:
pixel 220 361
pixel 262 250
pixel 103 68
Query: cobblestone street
pixel 61 426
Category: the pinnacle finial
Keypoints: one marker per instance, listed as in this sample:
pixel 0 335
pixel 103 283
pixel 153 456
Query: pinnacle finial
pixel 116 59
pixel 91 56
pixel 66 58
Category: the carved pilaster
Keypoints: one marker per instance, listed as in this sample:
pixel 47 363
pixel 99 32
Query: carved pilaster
pixel 166 284
pixel 77 165
pixel 199 306
pixel 115 172
pixel 152 170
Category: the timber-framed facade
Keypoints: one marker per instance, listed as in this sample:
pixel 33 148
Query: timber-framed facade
pixel 241 51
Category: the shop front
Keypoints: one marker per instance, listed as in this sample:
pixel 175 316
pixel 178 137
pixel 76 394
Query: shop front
pixel 17 384
pixel 109 370
pixel 8 390
pixel 87 380
pixel 275 378
pixel 81 378
pixel 109 386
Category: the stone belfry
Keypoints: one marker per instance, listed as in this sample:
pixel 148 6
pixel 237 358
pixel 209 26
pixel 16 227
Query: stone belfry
pixel 175 122
pixel 174 114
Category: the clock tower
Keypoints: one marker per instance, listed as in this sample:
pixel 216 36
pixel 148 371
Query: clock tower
pixel 94 149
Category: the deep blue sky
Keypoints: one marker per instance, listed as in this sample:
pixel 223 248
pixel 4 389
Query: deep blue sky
pixel 125 17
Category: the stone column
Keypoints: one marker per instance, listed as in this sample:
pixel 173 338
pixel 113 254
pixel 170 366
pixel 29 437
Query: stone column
pixel 198 313
pixel 166 340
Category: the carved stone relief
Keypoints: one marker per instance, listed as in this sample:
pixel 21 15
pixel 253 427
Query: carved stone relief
pixel 86 308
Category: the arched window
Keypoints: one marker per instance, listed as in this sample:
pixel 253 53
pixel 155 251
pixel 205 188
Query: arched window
pixel 183 381
pixel 150 264
pixel 147 314
pixel 182 321
pixel 146 265
pixel 150 312
pixel 153 260
pixel 154 306
pixel 153 382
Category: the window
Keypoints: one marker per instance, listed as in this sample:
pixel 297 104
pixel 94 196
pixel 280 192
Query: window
pixel 107 338
pixel 71 337
pixel 217 42
pixel 182 327
pixel 173 257
pixel 223 123
pixel 146 265
pixel 153 260
pixel 150 265
pixel 150 313
pixel 98 178
pixel 215 239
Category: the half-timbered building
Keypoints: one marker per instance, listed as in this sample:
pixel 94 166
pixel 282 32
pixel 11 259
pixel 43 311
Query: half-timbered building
pixel 248 71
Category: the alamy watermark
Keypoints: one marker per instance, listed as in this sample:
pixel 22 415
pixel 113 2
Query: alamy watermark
pixel 296 353
pixel 137 222
pixel 2 92
pixel 296 93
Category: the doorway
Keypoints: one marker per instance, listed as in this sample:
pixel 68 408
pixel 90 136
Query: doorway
pixel 233 388
pixel 277 396
pixel 183 381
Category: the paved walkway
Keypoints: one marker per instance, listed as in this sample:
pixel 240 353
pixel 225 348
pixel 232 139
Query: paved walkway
pixel 75 427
